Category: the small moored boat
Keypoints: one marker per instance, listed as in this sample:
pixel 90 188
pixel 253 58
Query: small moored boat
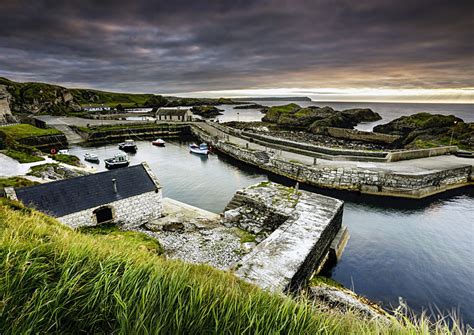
pixel 118 161
pixel 201 149
pixel 159 142
pixel 93 158
pixel 128 146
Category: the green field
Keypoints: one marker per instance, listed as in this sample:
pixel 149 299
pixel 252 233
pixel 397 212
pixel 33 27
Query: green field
pixel 57 280
pixel 20 131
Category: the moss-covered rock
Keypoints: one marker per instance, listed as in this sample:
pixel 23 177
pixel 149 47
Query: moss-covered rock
pixel 424 130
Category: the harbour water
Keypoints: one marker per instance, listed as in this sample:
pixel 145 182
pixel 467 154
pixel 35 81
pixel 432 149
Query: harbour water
pixel 422 251
pixel 388 111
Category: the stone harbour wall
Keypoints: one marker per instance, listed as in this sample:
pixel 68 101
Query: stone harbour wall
pixel 128 213
pixel 364 136
pixel 369 181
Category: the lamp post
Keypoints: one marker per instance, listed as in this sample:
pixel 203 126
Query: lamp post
pixel 238 116
pixel 452 133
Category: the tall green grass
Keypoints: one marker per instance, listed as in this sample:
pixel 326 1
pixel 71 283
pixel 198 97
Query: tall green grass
pixel 56 280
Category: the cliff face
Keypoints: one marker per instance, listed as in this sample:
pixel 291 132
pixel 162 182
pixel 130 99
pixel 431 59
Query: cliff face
pixel 36 98
pixel 5 97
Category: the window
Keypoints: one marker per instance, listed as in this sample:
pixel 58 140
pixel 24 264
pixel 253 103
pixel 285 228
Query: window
pixel 103 214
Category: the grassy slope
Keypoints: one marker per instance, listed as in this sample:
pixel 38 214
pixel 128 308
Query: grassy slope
pixel 19 131
pixel 56 280
pixel 16 182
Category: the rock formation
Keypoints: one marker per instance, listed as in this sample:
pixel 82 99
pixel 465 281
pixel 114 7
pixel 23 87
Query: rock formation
pixel 427 130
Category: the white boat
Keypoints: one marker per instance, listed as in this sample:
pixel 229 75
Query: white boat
pixel 128 146
pixel 93 158
pixel 63 152
pixel 201 149
pixel 118 161
pixel 159 142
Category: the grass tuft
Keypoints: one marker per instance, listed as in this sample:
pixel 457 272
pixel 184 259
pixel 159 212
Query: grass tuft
pixel 57 280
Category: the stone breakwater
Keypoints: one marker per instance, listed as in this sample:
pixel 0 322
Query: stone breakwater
pixel 369 181
pixel 303 227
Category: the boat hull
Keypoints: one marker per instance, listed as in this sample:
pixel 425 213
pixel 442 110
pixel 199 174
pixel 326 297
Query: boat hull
pixel 199 151
pixel 112 165
pixel 158 144
pixel 128 148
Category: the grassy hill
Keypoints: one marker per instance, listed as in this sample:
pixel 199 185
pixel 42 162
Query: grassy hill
pixel 42 98
pixel 57 280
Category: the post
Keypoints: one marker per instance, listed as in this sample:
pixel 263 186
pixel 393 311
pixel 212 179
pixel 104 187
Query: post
pixel 114 182
pixel 452 133
pixel 247 145
pixel 315 160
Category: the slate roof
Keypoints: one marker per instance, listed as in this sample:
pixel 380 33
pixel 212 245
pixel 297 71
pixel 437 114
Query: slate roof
pixel 68 196
pixel 172 111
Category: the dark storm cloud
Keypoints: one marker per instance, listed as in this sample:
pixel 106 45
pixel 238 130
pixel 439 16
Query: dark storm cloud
pixel 179 46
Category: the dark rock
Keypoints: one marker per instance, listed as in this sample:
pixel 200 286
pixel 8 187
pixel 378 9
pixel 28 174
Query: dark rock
pixel 250 106
pixel 206 111
pixel 424 130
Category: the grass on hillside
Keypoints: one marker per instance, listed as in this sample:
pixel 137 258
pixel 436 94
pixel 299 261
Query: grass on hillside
pixel 23 157
pixel 16 182
pixel 57 280
pixel 67 159
pixel 19 131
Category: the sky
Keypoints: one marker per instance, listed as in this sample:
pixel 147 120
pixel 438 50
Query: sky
pixel 334 50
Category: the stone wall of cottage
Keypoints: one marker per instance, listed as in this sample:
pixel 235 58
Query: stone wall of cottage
pixel 127 213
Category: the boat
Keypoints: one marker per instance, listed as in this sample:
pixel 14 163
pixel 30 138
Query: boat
pixel 128 146
pixel 159 142
pixel 201 149
pixel 93 158
pixel 118 161
pixel 63 152
pixel 464 154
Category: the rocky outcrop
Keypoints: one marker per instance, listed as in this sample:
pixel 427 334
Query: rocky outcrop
pixel 35 98
pixel 346 119
pixel 53 171
pixel 345 300
pixel 250 106
pixel 317 119
pixel 206 111
pixel 423 130
pixel 5 112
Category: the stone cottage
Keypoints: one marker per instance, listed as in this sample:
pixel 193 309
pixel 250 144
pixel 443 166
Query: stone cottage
pixel 128 197
pixel 174 114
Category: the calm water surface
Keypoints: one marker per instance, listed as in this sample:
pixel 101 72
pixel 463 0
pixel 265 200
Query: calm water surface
pixel 388 111
pixel 422 251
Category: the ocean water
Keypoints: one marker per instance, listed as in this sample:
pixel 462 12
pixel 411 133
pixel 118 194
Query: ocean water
pixel 388 111
pixel 422 251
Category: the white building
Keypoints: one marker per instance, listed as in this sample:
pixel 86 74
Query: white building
pixel 174 114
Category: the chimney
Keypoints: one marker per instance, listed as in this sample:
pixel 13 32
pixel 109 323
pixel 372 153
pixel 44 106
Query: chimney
pixel 114 182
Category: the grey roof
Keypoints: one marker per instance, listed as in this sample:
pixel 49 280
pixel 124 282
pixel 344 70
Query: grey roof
pixel 172 111
pixel 68 196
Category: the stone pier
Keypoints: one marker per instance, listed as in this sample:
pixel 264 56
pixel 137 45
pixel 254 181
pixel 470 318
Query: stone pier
pixel 298 229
